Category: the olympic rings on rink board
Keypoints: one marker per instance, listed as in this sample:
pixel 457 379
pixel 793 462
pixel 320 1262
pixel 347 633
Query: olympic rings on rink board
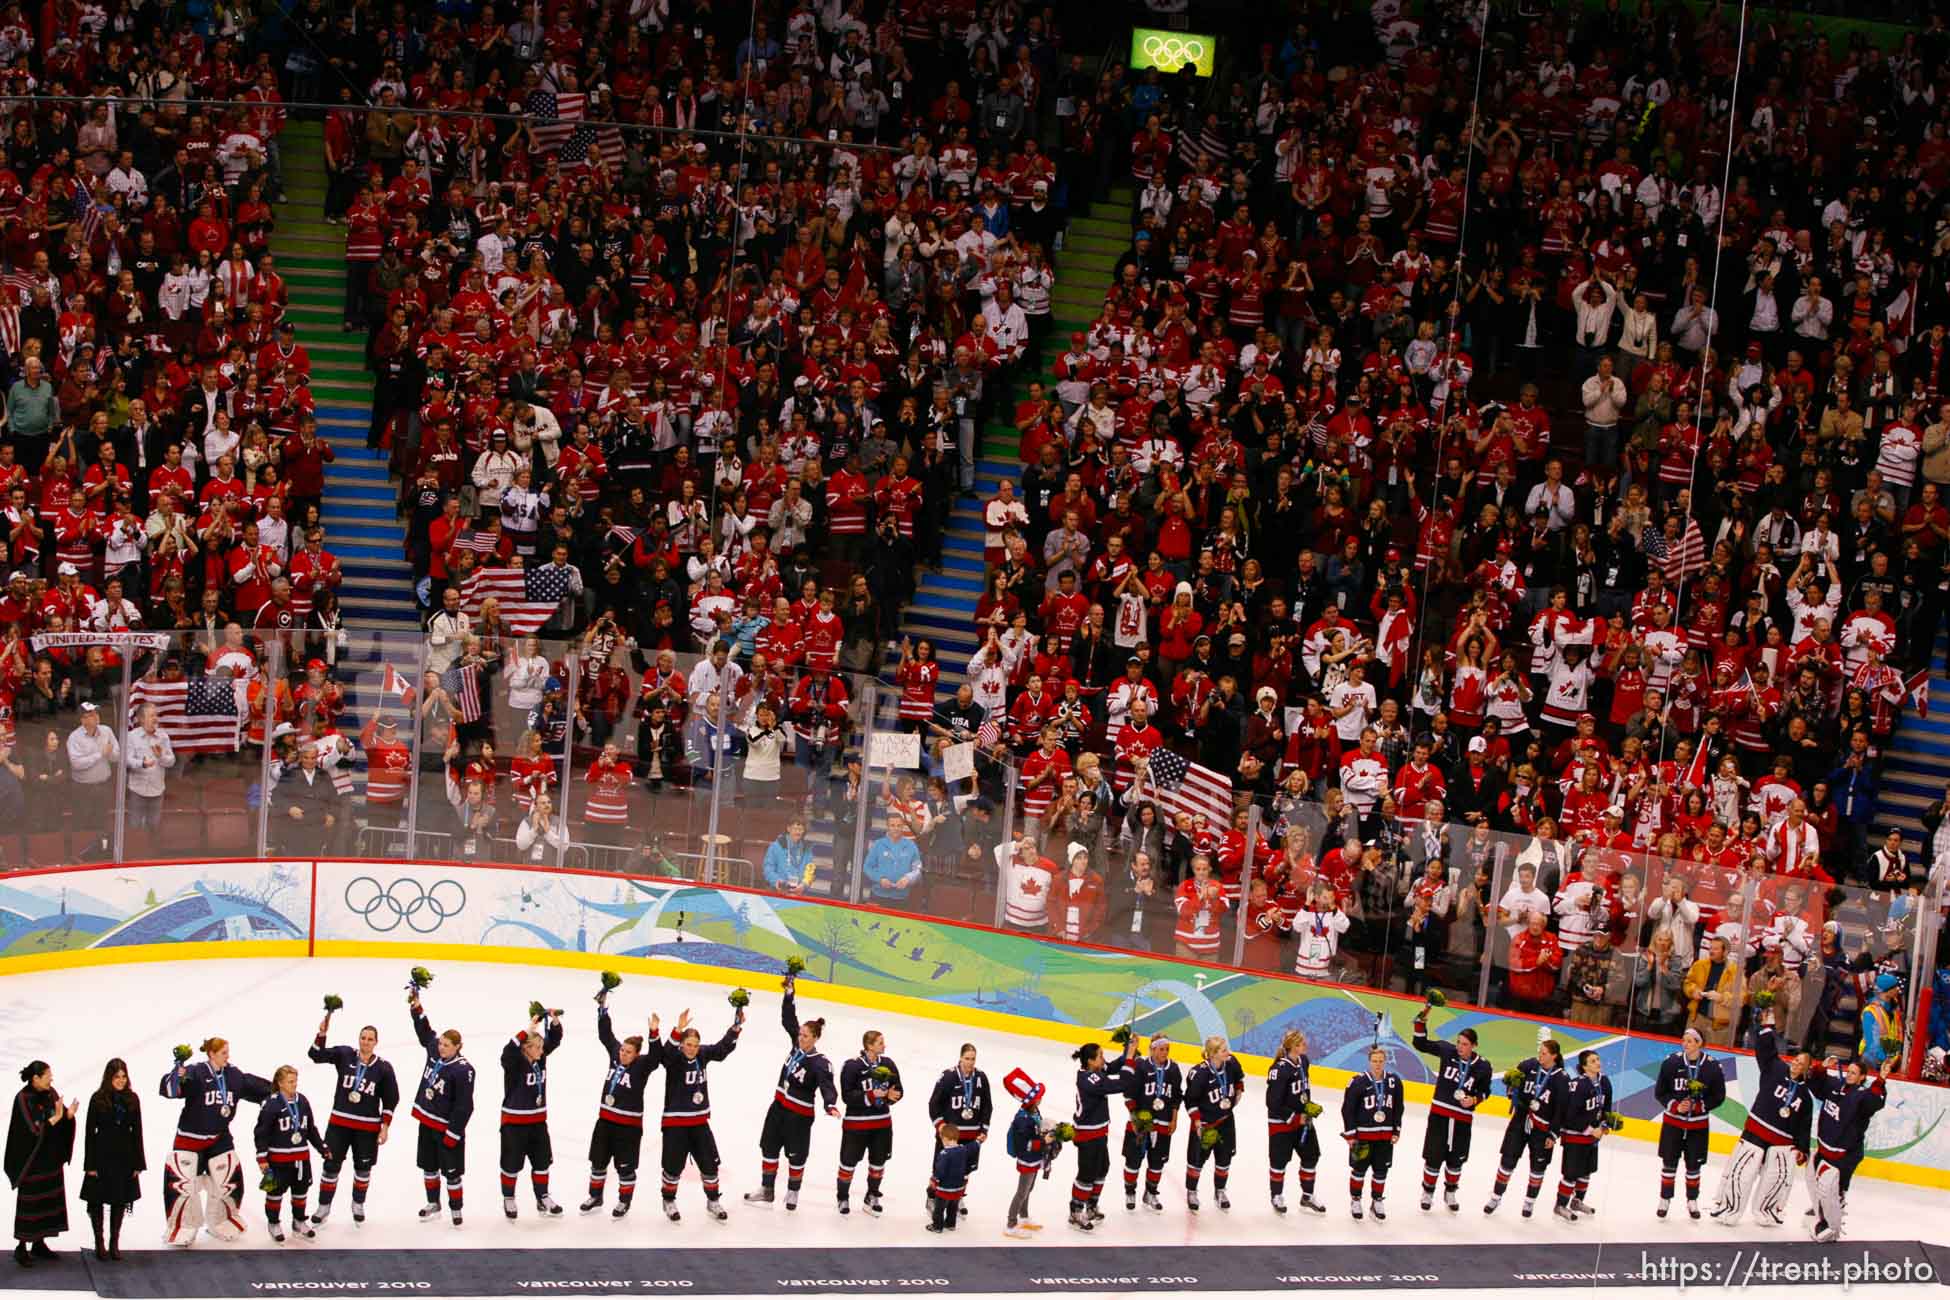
pixel 421 908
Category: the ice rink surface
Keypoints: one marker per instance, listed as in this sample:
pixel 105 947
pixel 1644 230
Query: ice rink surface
pixel 269 1010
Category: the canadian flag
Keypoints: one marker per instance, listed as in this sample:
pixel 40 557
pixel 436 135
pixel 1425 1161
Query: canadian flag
pixel 1918 687
pixel 1695 778
pixel 394 685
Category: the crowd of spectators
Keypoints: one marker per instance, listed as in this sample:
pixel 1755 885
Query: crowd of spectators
pixel 1511 426
pixel 1519 447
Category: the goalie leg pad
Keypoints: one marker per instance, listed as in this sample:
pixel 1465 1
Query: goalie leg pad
pixel 223 1190
pixel 1776 1181
pixel 1828 1195
pixel 182 1199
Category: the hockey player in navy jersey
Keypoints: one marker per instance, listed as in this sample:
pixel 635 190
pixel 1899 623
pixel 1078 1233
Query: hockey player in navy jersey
pixel 1775 1138
pixel 618 1135
pixel 805 1084
pixel 1535 1103
pixel 687 1111
pixel 443 1103
pixel 1290 1128
pixel 1371 1121
pixel 365 1093
pixel 1582 1122
pixel 203 1184
pixel 1462 1081
pixel 524 1111
pixel 1690 1087
pixel 1849 1097
pixel 1212 1093
pixel 287 1133
pixel 961 1097
pixel 870 1086
pixel 1098 1080
pixel 1154 1089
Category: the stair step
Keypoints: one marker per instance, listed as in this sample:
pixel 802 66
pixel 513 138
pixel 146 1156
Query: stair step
pixel 365 472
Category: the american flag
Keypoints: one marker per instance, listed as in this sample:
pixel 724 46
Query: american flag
pixel 1184 786
pixel 1679 561
pixel 463 687
pixel 562 127
pixel 200 715
pixel 478 540
pixel 988 735
pixel 528 597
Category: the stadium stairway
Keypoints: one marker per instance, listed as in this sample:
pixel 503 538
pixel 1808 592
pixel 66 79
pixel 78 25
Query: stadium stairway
pixel 361 517
pixel 1917 763
pixel 943 608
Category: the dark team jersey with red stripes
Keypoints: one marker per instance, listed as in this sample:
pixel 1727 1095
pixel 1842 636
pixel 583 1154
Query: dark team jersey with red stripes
pixel 1684 1106
pixel 962 1101
pixel 1456 1080
pixel 864 1090
pixel 364 1093
pixel 1159 1089
pixel 524 1083
pixel 1584 1106
pixel 806 1076
pixel 287 1131
pixel 1536 1105
pixel 1846 1109
pixel 1212 1095
pixel 444 1101
pixel 687 1093
pixel 210 1099
pixel 624 1085
pixel 1289 1087
pixel 1371 1108
pixel 1783 1108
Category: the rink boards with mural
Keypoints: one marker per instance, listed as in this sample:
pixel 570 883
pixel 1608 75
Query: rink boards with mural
pixel 970 974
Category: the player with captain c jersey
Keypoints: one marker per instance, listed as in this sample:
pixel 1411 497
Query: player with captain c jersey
pixel 365 1093
pixel 1371 1121
pixel 1690 1087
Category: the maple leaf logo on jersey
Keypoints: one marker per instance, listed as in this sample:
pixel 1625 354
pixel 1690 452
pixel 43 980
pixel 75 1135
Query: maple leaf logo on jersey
pixel 1032 886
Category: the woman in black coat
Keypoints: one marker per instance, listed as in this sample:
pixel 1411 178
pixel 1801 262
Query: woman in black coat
pixel 39 1141
pixel 111 1155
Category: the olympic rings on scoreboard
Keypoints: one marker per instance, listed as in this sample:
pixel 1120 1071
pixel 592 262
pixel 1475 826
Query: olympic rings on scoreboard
pixel 420 907
pixel 1171 51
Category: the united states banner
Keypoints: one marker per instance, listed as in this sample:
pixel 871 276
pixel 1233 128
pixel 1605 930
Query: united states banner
pixel 463 687
pixel 1184 786
pixel 559 122
pixel 528 597
pixel 200 715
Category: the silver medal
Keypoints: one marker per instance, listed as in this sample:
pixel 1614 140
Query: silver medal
pixel 1380 1115
pixel 697 1098
pixel 968 1112
pixel 609 1099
